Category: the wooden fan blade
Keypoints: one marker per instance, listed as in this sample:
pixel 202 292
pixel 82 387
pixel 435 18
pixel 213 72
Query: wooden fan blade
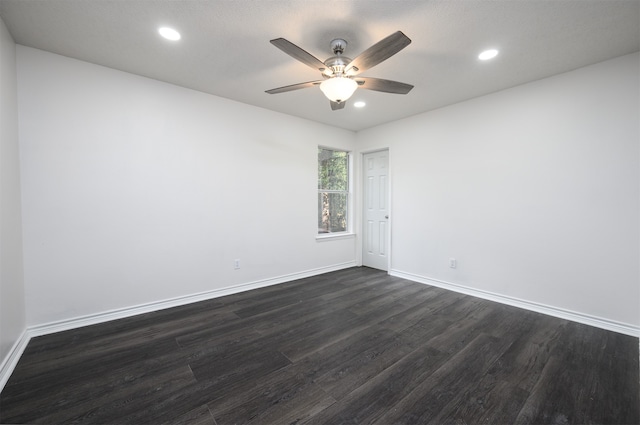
pixel 301 55
pixel 387 86
pixel 293 87
pixel 335 105
pixel 379 52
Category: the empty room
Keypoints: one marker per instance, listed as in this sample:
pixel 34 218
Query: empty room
pixel 304 212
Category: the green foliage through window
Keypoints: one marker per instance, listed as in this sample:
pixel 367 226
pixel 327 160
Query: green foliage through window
pixel 333 190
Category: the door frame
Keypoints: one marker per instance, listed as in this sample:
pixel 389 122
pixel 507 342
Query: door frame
pixel 359 210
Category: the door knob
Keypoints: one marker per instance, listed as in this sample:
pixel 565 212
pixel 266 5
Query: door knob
pixel 386 216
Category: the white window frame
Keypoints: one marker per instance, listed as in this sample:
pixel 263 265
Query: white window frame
pixel 348 233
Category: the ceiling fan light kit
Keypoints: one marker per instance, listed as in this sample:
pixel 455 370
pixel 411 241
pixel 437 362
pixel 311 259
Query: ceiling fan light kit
pixel 338 89
pixel 339 72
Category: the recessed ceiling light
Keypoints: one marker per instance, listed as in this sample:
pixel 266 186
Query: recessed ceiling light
pixel 488 54
pixel 169 33
pixel 359 104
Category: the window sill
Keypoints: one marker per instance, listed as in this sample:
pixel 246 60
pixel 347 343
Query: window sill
pixel 334 236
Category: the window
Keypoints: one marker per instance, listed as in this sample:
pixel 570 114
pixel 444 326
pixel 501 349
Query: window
pixel 333 191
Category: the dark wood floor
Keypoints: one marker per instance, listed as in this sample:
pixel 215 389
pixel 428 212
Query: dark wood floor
pixel 354 346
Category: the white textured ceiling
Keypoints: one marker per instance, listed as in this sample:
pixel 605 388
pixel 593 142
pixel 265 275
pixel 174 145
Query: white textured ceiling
pixel 225 47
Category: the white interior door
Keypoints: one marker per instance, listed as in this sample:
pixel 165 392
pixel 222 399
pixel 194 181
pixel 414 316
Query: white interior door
pixel 375 247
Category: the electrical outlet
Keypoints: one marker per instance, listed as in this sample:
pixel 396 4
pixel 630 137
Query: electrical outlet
pixel 453 263
pixel 236 263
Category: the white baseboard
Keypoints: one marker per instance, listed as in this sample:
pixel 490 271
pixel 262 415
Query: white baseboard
pixel 586 319
pixel 11 360
pixel 9 364
pixel 92 319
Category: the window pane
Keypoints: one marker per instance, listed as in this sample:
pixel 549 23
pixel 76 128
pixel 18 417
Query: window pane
pixel 332 212
pixel 333 170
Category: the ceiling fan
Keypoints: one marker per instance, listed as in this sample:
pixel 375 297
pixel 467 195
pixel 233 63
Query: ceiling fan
pixel 339 72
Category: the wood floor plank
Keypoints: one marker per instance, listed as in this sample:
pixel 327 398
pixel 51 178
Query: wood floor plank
pixel 72 370
pixel 90 386
pixel 272 387
pixel 304 372
pixel 466 329
pixel 294 410
pixel 213 331
pixel 302 314
pixel 253 365
pixel 254 397
pixel 351 346
pixel 339 353
pixel 169 406
pixel 198 416
pixel 497 393
pixel 430 302
pixel 347 298
pixel 399 292
pixel 371 401
pixel 353 276
pixel 284 300
pixel 223 346
pixel 270 322
pixel 440 388
pixel 120 402
pixel 289 402
pixel 102 344
pixel 367 317
pixel 73 340
pixel 359 370
pixel 566 392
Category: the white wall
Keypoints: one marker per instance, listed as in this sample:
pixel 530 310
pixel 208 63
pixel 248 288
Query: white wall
pixel 12 303
pixel 136 191
pixel 534 190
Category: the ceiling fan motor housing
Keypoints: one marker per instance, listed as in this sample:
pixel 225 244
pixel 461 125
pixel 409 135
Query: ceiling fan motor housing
pixel 338 62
